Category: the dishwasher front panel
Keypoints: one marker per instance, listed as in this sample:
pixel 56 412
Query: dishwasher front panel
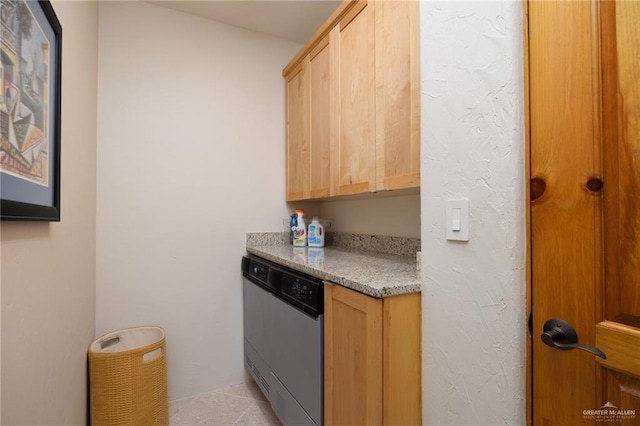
pixel 298 358
pixel 283 339
pixel 258 319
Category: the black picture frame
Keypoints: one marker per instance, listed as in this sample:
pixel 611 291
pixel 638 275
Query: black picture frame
pixel 30 106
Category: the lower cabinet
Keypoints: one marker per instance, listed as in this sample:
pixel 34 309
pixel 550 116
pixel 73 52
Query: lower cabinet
pixel 372 358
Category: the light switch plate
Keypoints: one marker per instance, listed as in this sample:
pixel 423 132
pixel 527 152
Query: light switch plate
pixel 461 207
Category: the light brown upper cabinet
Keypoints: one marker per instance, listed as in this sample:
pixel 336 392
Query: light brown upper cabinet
pixel 320 110
pixel 308 112
pixel 297 111
pixel 353 160
pixel 397 45
pixel 356 127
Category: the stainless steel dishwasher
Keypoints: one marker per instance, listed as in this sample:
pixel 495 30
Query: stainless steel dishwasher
pixel 283 339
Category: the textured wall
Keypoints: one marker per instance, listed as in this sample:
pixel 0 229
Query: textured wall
pixel 48 269
pixel 473 147
pixel 190 159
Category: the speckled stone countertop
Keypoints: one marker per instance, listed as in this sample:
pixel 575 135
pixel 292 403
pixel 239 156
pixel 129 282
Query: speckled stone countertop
pixel 375 274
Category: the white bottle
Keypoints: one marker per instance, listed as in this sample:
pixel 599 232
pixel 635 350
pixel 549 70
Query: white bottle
pixel 300 233
pixel 316 233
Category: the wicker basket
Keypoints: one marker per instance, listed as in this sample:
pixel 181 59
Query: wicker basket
pixel 128 378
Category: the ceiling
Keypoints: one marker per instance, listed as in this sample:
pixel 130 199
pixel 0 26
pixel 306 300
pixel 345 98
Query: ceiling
pixel 291 20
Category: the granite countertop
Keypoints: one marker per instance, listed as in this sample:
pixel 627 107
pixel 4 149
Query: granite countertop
pixel 377 275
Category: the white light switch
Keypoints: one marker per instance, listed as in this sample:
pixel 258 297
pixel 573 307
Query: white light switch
pixel 457 217
pixel 455 220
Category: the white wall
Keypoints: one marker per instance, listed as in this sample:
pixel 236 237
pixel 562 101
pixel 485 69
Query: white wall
pixel 383 214
pixel 473 147
pixel 190 158
pixel 48 269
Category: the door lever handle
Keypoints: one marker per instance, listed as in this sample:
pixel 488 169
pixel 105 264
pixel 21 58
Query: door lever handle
pixel 560 334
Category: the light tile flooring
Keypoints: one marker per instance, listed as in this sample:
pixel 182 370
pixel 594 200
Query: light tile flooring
pixel 242 404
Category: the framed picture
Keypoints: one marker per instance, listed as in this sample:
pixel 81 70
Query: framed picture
pixel 30 73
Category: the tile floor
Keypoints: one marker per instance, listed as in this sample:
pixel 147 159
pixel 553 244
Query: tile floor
pixel 242 404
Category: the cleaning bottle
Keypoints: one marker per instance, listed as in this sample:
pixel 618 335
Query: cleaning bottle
pixel 300 233
pixel 316 233
pixel 292 227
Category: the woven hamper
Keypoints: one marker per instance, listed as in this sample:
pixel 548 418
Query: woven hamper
pixel 128 378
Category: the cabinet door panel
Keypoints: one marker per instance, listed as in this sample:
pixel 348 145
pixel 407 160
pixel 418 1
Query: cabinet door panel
pixel 401 359
pixel 353 357
pixel 355 155
pixel 397 58
pixel 297 110
pixel 319 64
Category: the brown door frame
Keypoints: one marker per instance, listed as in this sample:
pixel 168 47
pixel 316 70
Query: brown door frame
pixel 527 168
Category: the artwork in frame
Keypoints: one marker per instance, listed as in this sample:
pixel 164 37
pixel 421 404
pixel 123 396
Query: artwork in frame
pixel 30 75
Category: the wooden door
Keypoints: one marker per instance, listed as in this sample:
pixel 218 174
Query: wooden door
pixel 297 111
pixel 619 334
pixel 352 357
pixel 584 106
pixel 320 121
pixel 355 115
pixel 397 57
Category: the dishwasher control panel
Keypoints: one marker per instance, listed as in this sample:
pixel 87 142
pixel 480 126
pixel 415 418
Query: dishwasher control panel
pixel 302 291
pixel 255 269
pixel 305 291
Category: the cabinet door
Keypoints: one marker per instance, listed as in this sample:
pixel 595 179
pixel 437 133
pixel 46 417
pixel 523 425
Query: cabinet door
pixel 320 109
pixel 355 121
pixel 297 110
pixel 401 371
pixel 397 55
pixel 353 357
